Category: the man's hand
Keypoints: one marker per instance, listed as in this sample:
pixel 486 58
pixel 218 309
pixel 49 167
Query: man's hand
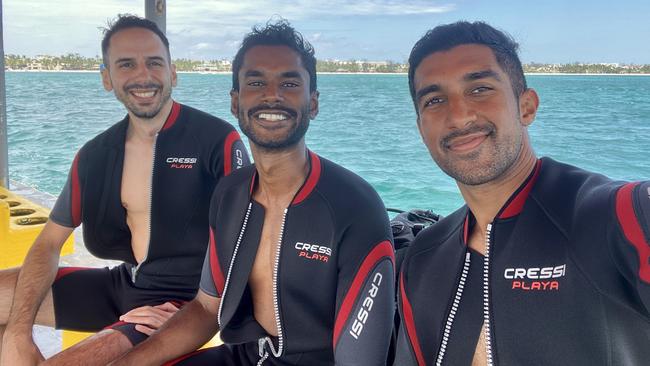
pixel 19 352
pixel 150 318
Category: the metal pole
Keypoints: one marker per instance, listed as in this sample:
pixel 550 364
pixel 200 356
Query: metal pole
pixel 156 11
pixel 4 147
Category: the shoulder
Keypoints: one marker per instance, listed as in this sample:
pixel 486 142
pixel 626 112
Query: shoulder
pixel 111 138
pixel 203 122
pixel 239 180
pixel 434 236
pixel 567 193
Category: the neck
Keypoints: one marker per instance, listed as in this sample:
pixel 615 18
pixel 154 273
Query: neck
pixel 280 173
pixel 147 128
pixel 486 200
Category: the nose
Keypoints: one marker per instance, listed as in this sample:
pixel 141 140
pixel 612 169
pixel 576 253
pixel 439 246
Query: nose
pixel 142 72
pixel 272 93
pixel 460 112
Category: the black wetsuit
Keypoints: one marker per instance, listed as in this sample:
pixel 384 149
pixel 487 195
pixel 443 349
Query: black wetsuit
pixel 334 287
pixel 565 279
pixel 192 152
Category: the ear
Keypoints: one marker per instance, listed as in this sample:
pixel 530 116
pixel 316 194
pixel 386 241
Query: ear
pixel 106 79
pixel 174 79
pixel 528 104
pixel 234 103
pixel 313 104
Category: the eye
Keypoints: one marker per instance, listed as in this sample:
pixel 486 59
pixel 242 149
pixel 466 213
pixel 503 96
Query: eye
pixel 432 101
pixel 480 89
pixel 156 63
pixel 125 65
pixel 290 84
pixel 255 83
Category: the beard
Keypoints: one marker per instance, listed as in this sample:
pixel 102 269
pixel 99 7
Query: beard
pixel 293 135
pixel 146 112
pixel 485 164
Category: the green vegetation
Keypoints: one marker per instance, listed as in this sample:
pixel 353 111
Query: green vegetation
pixel 73 61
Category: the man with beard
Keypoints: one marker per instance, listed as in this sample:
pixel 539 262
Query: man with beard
pixel 546 264
pixel 142 191
pixel 300 263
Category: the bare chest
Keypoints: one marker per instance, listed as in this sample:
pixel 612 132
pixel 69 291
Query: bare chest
pixel 262 273
pixel 480 355
pixel 136 178
pixel 136 195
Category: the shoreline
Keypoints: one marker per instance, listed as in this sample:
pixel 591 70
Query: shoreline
pixel 334 73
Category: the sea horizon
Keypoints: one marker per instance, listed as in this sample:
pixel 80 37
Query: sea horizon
pixel 366 124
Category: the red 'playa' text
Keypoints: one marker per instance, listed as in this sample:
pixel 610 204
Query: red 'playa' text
pixel 312 251
pixel 535 278
pixel 181 163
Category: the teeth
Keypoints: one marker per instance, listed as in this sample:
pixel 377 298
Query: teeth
pixel 148 94
pixel 272 116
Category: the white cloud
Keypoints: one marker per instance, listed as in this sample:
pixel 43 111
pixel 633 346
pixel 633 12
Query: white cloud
pixel 201 28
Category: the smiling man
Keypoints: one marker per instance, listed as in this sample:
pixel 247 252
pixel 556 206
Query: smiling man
pixel 141 189
pixel 300 265
pixel 546 264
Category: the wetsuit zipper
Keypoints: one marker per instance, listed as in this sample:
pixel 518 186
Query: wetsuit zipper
pixel 486 297
pixel 232 260
pixel 454 310
pixel 134 270
pixel 486 303
pixel 276 305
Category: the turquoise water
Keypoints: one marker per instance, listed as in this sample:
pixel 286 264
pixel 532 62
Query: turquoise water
pixel 366 123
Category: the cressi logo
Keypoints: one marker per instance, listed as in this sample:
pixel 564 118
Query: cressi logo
pixel 366 307
pixel 181 163
pixel 313 251
pixel 535 278
pixel 239 158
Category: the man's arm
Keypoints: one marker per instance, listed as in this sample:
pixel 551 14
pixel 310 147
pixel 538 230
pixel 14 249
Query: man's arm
pixel 633 214
pixel 364 320
pixel 187 330
pixel 34 281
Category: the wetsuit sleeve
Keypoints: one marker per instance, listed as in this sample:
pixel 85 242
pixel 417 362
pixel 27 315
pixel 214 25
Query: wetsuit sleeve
pixel 67 209
pixel 207 282
pixel 633 215
pixel 212 278
pixel 234 155
pixel 365 297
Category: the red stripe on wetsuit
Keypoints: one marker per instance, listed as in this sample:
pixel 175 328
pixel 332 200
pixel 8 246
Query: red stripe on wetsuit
pixel 632 229
pixel 381 251
pixel 215 267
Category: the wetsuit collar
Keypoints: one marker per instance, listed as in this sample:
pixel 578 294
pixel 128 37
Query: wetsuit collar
pixel 307 187
pixel 514 205
pixel 173 116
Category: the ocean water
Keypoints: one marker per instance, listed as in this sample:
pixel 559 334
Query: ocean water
pixel 366 123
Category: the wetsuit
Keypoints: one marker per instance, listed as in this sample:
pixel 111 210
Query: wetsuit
pixel 565 279
pixel 192 152
pixel 333 280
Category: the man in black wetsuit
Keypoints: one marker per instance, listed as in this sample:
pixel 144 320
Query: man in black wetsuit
pixel 141 189
pixel 546 264
pixel 299 269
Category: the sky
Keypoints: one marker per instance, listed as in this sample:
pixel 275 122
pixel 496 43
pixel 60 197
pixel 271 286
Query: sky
pixel 548 31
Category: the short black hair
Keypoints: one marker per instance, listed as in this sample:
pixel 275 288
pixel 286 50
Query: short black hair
pixel 127 21
pixel 279 33
pixel 448 36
